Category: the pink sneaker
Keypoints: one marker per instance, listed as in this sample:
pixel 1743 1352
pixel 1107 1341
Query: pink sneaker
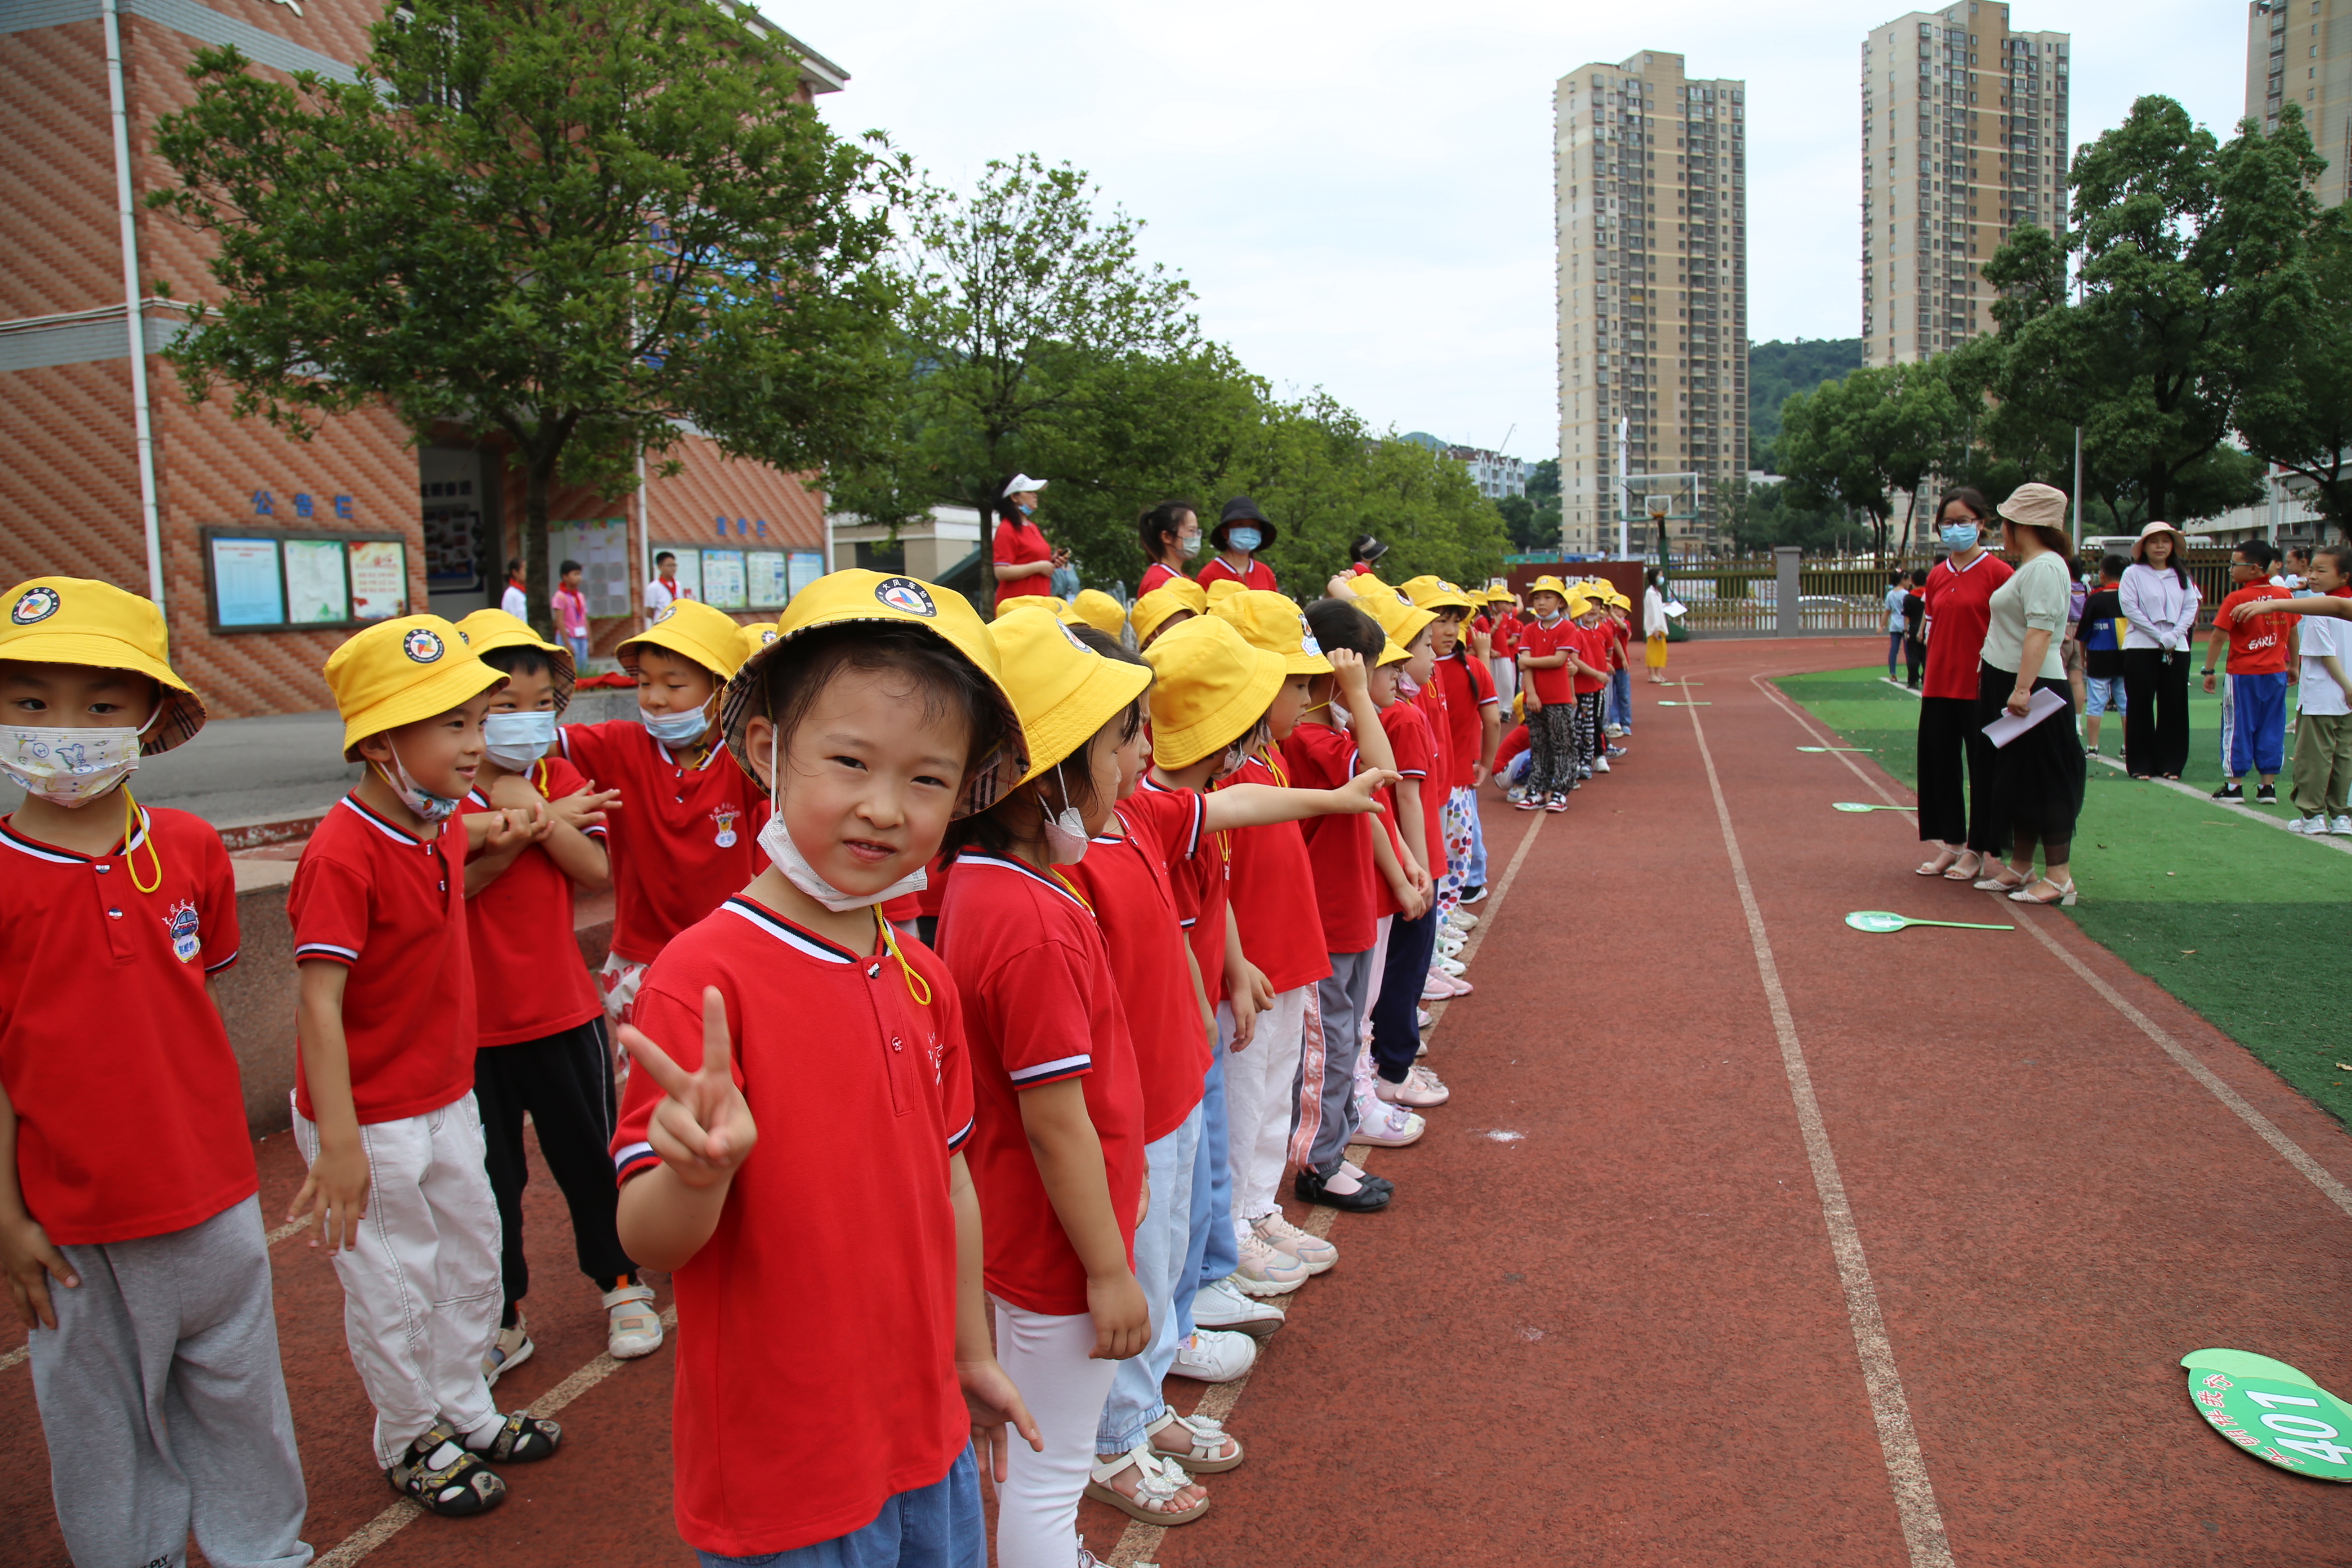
pixel 1414 1092
pixel 1312 1252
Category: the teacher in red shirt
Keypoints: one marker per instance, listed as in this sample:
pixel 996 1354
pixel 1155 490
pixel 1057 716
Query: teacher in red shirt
pixel 1024 561
pixel 1963 824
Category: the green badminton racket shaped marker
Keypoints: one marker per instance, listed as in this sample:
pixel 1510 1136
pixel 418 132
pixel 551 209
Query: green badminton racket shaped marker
pixel 1860 805
pixel 2272 1411
pixel 1884 921
pixel 1837 748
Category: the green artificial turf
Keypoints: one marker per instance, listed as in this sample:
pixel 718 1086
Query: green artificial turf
pixel 2237 919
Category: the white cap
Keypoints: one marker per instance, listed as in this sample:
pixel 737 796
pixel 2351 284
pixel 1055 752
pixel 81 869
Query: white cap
pixel 1019 483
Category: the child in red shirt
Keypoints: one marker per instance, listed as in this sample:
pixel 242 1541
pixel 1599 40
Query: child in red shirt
pixel 1240 533
pixel 543 1053
pixel 1545 653
pixel 1346 857
pixel 1591 642
pixel 686 835
pixel 384 1089
pixel 2253 708
pixel 877 717
pixel 126 1171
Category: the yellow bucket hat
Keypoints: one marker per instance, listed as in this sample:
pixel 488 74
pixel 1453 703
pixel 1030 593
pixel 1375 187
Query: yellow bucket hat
pixel 691 629
pixel 1210 687
pixel 1546 584
pixel 1274 622
pixel 1225 588
pixel 1152 610
pixel 756 636
pixel 1063 689
pixel 486 631
pixel 399 671
pixel 1398 615
pixel 78 620
pixel 842 598
pixel 1095 608
pixel 1433 592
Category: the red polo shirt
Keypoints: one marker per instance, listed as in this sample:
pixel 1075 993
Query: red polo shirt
pixel 1157 575
pixel 1415 746
pixel 1339 847
pixel 862 1092
pixel 1022 544
pixel 685 837
pixel 1592 646
pixel 1040 1006
pixel 1259 575
pixel 1200 885
pixel 391 907
pixel 2258 643
pixel 1556 685
pixel 519 924
pixel 129 1117
pixel 1469 689
pixel 1272 888
pixel 1959 611
pixel 1130 878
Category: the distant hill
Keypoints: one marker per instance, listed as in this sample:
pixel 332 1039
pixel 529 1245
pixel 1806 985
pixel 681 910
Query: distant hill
pixel 1776 369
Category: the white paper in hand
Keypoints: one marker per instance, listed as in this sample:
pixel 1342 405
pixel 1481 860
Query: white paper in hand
pixel 2009 726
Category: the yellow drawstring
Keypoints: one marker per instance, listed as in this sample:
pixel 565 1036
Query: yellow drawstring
pixel 916 986
pixel 129 833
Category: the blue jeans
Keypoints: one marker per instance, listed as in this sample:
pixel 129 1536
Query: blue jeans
pixel 2253 725
pixel 1162 1246
pixel 1478 844
pixel 1621 699
pixel 1216 1251
pixel 1894 653
pixel 937 1526
pixel 578 646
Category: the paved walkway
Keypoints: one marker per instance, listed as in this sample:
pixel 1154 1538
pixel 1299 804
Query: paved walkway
pixel 1747 1239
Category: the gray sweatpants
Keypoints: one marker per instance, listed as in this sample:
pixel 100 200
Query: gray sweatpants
pixel 1325 1085
pixel 163 1407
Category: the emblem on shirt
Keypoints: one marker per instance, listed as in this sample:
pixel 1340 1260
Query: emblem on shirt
pixel 34 604
pixel 423 644
pixel 725 817
pixel 932 1047
pixel 906 595
pixel 182 923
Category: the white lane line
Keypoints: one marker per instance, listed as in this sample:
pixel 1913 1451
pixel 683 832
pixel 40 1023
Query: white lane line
pixel 402 1514
pixel 1899 1438
pixel 1138 1541
pixel 2262 1126
pixel 2236 810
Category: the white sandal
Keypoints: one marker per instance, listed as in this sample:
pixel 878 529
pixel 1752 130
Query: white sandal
pixel 1209 1440
pixel 636 1331
pixel 1159 1479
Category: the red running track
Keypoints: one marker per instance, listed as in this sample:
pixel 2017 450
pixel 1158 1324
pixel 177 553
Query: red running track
pixel 1623 1309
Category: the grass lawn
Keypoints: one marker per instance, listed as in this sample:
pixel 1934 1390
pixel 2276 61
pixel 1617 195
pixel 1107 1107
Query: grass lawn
pixel 2163 880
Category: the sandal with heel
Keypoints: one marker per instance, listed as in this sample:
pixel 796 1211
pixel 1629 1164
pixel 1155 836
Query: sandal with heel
pixel 2005 879
pixel 2060 893
pixel 1210 1440
pixel 1967 869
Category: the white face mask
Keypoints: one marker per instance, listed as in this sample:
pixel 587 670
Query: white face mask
pixel 69 767
pixel 430 808
pixel 786 857
pixel 515 740
pixel 1066 835
pixel 674 729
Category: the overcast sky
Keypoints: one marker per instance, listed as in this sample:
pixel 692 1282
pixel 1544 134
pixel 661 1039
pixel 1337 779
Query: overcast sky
pixel 1360 194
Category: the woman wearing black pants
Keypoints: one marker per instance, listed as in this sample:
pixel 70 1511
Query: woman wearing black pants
pixel 2038 776
pixel 2160 604
pixel 1960 821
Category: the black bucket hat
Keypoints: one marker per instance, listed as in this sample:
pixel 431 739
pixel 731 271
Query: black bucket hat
pixel 1241 509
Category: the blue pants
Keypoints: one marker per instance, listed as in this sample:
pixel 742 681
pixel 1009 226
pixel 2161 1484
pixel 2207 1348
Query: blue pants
pixel 1621 699
pixel 1396 1023
pixel 1894 652
pixel 2253 725
pixel 1162 1245
pixel 1477 878
pixel 937 1526
pixel 1216 1251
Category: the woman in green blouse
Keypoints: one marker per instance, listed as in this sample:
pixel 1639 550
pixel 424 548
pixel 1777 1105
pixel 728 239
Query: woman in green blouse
pixel 2038 776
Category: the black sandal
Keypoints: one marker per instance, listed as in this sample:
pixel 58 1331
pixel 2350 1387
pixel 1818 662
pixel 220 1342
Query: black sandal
pixel 459 1490
pixel 520 1439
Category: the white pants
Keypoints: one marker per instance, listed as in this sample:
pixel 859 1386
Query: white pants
pixel 1507 682
pixel 1258 1100
pixel 1379 967
pixel 1047 1358
pixel 421 1289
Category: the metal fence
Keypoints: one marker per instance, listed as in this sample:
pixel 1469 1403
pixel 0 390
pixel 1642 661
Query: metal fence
pixel 1743 594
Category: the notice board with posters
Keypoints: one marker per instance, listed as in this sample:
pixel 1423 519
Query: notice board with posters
pixel 602 547
pixel 280 580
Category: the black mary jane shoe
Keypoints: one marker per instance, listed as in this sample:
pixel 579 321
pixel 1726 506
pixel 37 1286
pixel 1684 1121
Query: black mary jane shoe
pixel 1367 1199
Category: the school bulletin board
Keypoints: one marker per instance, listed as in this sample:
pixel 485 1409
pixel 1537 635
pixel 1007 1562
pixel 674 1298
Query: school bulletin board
pixel 277 580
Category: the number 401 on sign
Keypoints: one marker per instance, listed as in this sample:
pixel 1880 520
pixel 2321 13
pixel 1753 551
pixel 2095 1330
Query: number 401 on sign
pixel 2272 1411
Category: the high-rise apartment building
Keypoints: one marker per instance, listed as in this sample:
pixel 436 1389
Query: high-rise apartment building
pixel 1963 138
pixel 2296 53
pixel 1651 201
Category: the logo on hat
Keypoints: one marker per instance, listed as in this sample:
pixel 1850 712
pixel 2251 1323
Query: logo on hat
pixel 766 636
pixel 34 604
pixel 422 644
pixel 1072 638
pixel 906 595
pixel 1405 598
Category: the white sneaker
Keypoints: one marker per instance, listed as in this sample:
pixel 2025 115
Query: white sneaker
pixel 1213 1355
pixel 1452 966
pixel 1451 944
pixel 1599 765
pixel 1308 1247
pixel 2341 827
pixel 1385 1126
pixel 1265 1270
pixel 1222 1304
pixel 1461 918
pixel 2308 825
pixel 631 1327
pixel 1421 1017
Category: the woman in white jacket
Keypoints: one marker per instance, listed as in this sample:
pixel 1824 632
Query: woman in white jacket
pixel 1653 625
pixel 2159 605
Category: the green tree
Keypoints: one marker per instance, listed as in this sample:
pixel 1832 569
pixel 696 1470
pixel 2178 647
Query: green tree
pixel 1776 369
pixel 577 226
pixel 1849 445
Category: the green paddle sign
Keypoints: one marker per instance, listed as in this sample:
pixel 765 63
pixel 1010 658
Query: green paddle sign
pixel 2272 1411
